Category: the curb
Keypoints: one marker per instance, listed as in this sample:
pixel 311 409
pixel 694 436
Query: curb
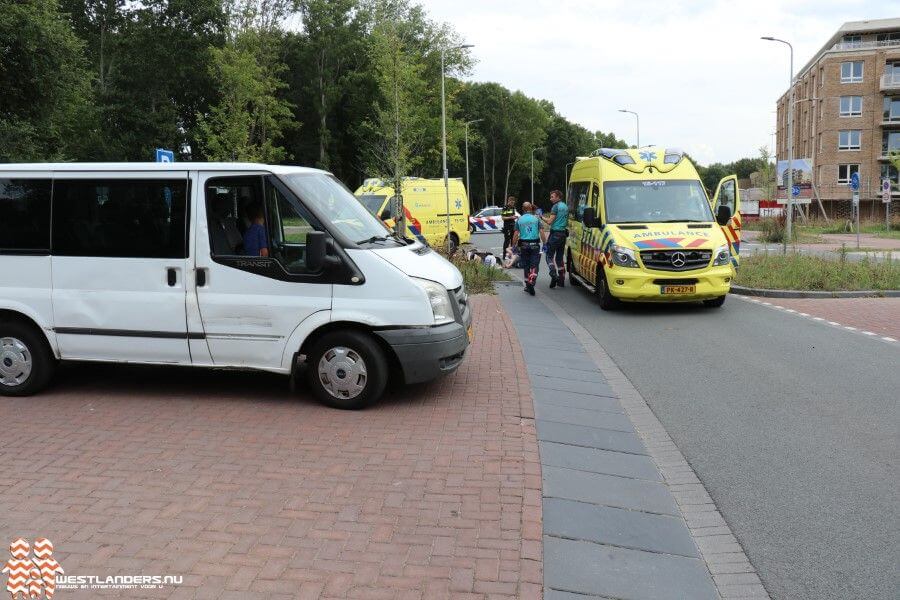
pixel 748 291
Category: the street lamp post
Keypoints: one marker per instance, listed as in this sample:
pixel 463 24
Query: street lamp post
pixel 533 150
pixel 468 192
pixel 637 122
pixel 444 136
pixel 790 133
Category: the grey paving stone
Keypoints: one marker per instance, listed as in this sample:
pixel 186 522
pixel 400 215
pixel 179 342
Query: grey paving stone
pixel 603 403
pixel 618 527
pixel 588 388
pixel 589 437
pixel 559 595
pixel 580 416
pixel 608 490
pixel 599 461
pixel 584 567
pixel 574 374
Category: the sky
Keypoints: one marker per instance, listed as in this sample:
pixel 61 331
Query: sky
pixel 696 72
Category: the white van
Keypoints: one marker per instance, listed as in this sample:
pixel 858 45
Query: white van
pixel 144 263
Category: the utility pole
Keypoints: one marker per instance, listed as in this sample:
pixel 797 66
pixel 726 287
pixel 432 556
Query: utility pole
pixel 790 133
pixel 468 191
pixel 444 137
pixel 638 124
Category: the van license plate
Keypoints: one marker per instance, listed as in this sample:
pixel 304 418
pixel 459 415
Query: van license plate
pixel 469 333
pixel 679 289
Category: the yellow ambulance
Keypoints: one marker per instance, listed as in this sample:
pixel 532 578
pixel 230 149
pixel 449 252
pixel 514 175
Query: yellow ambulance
pixel 642 229
pixel 425 207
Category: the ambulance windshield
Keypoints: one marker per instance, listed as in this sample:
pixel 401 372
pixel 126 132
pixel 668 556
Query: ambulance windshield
pixel 656 201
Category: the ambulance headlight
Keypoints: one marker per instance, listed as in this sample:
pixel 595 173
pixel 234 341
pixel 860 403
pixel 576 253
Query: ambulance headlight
pixel 438 298
pixel 623 257
pixel 723 256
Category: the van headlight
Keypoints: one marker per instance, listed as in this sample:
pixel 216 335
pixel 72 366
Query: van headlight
pixel 623 257
pixel 438 298
pixel 723 256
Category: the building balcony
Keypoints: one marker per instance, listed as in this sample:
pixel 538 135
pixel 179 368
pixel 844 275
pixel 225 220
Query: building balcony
pixel 870 45
pixel 890 82
pixel 890 123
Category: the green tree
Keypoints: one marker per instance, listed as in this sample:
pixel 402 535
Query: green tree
pixel 45 110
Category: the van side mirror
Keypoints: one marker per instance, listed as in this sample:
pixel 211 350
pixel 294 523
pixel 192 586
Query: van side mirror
pixel 315 251
pixel 723 215
pixel 589 217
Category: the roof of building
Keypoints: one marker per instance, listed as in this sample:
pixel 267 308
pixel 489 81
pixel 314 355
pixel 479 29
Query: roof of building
pixel 156 166
pixel 849 28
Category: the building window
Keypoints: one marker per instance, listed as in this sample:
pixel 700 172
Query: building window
pixel 852 41
pixel 849 139
pixel 852 72
pixel 890 172
pixel 845 172
pixel 891 109
pixel 890 142
pixel 888 39
pixel 892 73
pixel 851 106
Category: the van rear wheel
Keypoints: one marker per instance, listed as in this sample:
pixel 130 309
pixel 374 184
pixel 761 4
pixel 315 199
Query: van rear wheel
pixel 26 364
pixel 347 370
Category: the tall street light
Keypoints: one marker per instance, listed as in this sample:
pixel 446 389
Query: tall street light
pixel 790 134
pixel 638 122
pixel 444 134
pixel 468 193
pixel 533 150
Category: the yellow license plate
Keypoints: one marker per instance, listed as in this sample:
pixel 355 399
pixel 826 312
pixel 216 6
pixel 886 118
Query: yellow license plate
pixel 469 333
pixel 679 289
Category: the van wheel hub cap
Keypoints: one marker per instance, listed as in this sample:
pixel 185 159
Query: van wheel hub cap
pixel 342 372
pixel 15 361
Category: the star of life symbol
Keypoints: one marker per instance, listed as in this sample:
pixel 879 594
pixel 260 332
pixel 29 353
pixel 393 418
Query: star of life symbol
pixel 647 155
pixel 458 204
pixel 31 578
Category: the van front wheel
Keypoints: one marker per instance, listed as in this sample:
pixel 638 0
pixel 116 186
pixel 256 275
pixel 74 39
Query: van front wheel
pixel 347 370
pixel 26 363
pixel 604 296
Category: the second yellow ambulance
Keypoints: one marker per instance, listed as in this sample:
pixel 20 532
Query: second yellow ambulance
pixel 641 228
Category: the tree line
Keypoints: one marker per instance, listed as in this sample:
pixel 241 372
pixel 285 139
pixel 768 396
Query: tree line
pixel 351 86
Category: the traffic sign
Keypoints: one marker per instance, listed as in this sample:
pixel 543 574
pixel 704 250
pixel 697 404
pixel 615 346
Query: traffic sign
pixel 795 191
pixel 886 191
pixel 854 181
pixel 164 156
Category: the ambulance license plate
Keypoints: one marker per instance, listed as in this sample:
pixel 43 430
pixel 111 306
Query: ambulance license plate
pixel 469 333
pixel 678 289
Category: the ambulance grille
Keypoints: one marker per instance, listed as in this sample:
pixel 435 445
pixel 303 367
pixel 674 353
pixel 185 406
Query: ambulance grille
pixel 666 260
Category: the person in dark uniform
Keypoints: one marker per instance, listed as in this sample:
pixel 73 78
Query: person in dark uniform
pixel 557 219
pixel 509 222
pixel 527 236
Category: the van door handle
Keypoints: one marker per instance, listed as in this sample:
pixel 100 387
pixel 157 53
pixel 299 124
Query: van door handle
pixel 200 278
pixel 172 276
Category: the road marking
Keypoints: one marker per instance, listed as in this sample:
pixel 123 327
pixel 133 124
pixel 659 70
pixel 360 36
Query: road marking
pixel 809 317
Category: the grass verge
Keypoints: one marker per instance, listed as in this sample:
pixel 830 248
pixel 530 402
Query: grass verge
pixel 804 272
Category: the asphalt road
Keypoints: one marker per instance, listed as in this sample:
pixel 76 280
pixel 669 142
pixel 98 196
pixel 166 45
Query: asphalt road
pixel 791 425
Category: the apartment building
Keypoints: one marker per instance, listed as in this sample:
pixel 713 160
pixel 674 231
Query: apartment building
pixel 847 116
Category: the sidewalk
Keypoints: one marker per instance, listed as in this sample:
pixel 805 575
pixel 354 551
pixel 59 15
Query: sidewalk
pixel 881 316
pixel 624 515
pixel 830 247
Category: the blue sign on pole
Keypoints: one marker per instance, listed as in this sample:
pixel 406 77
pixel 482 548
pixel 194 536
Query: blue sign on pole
pixel 166 156
pixel 795 191
pixel 854 181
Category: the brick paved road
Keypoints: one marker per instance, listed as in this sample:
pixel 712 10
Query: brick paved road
pixel 245 489
pixel 878 315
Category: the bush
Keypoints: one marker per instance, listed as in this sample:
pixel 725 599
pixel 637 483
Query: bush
pixel 773 230
pixel 478 277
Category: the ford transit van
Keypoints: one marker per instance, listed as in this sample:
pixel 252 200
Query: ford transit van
pixel 641 228
pixel 226 265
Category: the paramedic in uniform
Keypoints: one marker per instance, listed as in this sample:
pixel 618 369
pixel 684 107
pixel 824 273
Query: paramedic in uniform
pixel 557 219
pixel 527 237
pixel 509 222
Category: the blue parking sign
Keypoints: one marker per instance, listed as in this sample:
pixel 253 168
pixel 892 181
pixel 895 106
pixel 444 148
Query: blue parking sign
pixel 854 181
pixel 795 191
pixel 164 156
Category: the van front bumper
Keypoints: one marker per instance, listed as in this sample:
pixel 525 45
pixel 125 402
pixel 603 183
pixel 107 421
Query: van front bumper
pixel 426 353
pixel 638 285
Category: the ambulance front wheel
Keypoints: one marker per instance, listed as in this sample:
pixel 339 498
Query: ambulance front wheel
pixel 604 296
pixel 570 267
pixel 714 302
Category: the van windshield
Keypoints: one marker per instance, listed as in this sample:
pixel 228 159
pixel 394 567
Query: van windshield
pixel 372 202
pixel 656 201
pixel 332 198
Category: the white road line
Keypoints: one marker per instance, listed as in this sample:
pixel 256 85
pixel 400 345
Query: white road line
pixel 867 333
pixel 888 339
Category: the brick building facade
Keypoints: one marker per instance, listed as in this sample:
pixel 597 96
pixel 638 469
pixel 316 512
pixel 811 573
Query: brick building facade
pixel 847 116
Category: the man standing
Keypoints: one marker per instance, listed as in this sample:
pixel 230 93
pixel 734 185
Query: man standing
pixel 527 237
pixel 509 222
pixel 557 219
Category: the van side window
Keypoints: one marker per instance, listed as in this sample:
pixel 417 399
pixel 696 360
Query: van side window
pixel 25 215
pixel 288 225
pixel 126 218
pixel 228 200
pixel 727 195
pixel 577 198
